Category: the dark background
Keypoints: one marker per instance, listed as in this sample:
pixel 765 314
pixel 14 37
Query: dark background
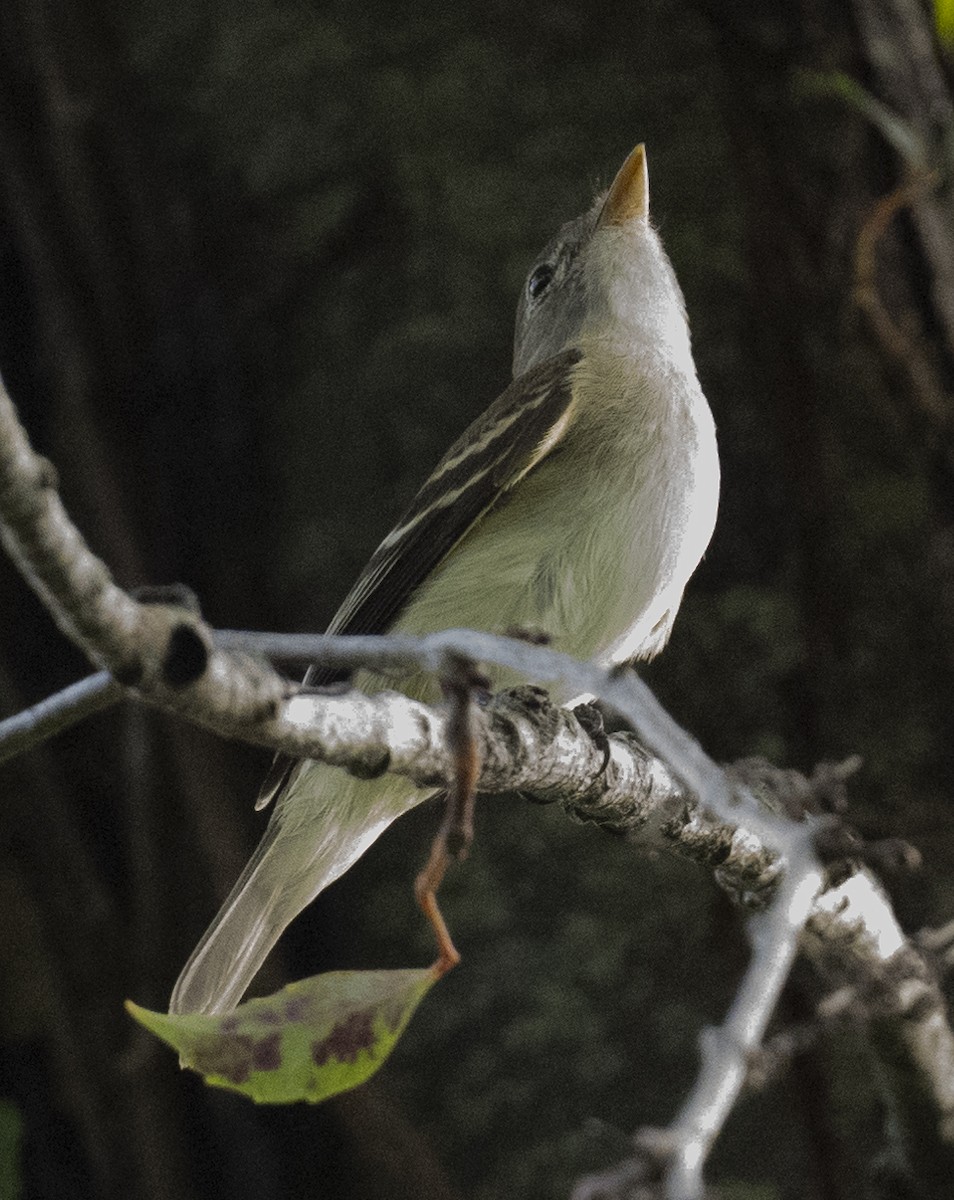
pixel 258 264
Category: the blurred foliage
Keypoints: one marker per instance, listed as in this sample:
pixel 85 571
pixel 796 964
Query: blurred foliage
pixel 259 267
pixel 11 1137
pixel 944 20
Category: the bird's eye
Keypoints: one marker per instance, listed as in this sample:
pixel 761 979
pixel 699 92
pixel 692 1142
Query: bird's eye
pixel 540 279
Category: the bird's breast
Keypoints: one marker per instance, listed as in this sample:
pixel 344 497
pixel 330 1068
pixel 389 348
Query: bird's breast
pixel 595 545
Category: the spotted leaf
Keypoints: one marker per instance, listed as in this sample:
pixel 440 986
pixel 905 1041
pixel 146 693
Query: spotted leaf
pixel 311 1040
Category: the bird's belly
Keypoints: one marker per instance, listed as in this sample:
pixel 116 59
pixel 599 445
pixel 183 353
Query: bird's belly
pixel 584 575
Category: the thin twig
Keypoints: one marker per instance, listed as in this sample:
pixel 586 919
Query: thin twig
pixel 902 344
pixel 726 1051
pixel 452 840
pixel 55 713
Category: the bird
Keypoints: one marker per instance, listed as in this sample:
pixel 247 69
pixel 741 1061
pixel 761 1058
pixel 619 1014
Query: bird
pixel 579 504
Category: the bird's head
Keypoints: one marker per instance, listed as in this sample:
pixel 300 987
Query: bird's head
pixel 604 276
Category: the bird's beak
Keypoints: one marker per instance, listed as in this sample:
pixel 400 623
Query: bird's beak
pixel 629 195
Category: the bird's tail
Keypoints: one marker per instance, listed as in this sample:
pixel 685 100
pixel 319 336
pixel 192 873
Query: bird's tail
pixel 314 835
pixel 235 945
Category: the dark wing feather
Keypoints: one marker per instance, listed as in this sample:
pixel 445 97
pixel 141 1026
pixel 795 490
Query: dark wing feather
pixel 515 433
pixel 494 453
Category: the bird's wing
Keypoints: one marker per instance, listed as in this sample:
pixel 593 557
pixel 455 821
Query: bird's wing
pixel 523 425
pixel 518 430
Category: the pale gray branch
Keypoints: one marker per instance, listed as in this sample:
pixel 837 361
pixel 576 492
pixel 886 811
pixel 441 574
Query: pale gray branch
pixel 671 794
pixel 52 715
pixel 727 1051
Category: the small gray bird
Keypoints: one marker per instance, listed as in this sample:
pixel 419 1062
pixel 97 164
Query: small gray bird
pixel 579 504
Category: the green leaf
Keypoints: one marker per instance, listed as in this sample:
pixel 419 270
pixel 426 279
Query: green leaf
pixel 944 20
pixel 898 132
pixel 311 1040
pixel 11 1138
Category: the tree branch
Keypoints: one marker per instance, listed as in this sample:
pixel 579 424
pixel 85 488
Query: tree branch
pixel 675 797
pixel 52 715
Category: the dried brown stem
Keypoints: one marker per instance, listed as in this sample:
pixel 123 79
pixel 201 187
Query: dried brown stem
pixel 901 343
